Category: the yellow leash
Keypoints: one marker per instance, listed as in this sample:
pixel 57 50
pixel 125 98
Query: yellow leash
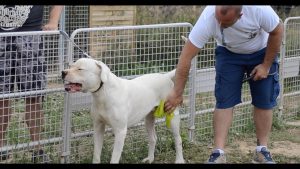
pixel 160 113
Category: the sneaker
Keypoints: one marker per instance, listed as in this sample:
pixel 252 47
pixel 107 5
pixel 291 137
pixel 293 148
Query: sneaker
pixel 5 157
pixel 216 157
pixel 263 156
pixel 39 157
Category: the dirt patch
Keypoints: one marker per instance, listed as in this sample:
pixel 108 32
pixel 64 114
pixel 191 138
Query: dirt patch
pixel 285 148
pixel 294 123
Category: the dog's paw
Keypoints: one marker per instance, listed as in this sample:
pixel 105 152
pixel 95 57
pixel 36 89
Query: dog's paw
pixel 180 161
pixel 148 159
pixel 96 161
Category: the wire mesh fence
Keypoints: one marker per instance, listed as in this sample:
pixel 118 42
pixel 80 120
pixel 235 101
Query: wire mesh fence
pixel 31 100
pixel 129 51
pixel 290 63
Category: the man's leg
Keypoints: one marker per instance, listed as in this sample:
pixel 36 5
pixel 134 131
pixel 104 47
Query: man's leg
pixel 5 114
pixel 263 123
pixel 264 94
pixel 221 122
pixel 34 118
pixel 229 75
pixel 32 78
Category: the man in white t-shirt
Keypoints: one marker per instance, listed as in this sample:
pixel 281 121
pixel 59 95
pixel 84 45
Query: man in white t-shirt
pixel 248 41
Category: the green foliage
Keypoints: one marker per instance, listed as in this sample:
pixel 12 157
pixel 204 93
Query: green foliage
pixel 167 14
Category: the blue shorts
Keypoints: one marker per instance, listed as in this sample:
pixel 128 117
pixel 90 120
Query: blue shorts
pixel 230 69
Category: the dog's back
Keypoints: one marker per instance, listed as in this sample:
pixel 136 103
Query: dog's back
pixel 162 82
pixel 145 92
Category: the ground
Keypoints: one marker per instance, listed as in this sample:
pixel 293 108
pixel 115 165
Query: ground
pixel 284 145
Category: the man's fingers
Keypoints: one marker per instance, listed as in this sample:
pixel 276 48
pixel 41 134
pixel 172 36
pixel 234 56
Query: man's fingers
pixel 169 108
pixel 259 77
pixel 253 72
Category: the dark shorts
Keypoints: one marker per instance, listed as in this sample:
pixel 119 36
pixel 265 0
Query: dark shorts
pixel 230 69
pixel 22 62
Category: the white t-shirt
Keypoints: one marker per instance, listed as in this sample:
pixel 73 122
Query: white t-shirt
pixel 248 35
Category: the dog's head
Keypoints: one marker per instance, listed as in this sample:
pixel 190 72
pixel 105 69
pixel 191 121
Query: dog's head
pixel 85 75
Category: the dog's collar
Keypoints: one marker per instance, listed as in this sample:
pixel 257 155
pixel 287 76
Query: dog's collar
pixel 101 84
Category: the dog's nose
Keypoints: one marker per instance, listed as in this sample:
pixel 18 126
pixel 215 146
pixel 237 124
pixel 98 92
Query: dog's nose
pixel 63 74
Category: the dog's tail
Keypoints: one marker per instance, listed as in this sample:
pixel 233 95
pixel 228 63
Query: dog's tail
pixel 185 39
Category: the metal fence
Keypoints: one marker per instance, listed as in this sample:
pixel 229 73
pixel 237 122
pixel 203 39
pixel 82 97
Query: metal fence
pixel 19 52
pixel 131 51
pixel 290 72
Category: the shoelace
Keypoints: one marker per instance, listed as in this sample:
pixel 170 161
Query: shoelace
pixel 267 155
pixel 213 157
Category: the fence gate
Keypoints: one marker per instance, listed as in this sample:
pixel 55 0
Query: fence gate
pixel 18 52
pixel 129 51
pixel 290 73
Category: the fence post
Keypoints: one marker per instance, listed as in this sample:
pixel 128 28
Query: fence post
pixel 60 42
pixel 192 98
pixel 67 117
pixel 281 69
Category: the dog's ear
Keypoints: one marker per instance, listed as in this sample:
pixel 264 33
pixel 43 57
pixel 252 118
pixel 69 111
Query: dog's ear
pixel 104 71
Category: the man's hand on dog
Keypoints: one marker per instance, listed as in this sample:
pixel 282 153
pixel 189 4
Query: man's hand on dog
pixel 172 101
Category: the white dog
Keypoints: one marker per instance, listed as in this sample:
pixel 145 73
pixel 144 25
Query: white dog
pixel 121 103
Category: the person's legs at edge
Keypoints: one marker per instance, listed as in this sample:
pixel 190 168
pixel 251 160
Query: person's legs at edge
pixel 34 118
pixel 5 114
pixel 6 85
pixel 32 77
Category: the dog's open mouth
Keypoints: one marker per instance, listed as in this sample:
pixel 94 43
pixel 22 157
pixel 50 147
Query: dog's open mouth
pixel 73 87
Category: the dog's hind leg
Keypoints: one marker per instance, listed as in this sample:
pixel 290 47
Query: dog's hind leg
pixel 149 122
pixel 99 129
pixel 175 126
pixel 120 134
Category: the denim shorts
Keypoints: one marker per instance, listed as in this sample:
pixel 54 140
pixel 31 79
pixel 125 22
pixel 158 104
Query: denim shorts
pixel 22 62
pixel 230 70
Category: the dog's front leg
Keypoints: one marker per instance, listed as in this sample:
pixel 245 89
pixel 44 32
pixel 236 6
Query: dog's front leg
pixel 99 129
pixel 120 135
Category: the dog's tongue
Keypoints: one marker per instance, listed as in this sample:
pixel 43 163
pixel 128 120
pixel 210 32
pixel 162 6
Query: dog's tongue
pixel 73 87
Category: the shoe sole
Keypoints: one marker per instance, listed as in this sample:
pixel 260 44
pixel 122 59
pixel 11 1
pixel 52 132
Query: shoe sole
pixel 9 160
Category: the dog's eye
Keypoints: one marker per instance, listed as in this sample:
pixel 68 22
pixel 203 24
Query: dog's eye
pixel 80 69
